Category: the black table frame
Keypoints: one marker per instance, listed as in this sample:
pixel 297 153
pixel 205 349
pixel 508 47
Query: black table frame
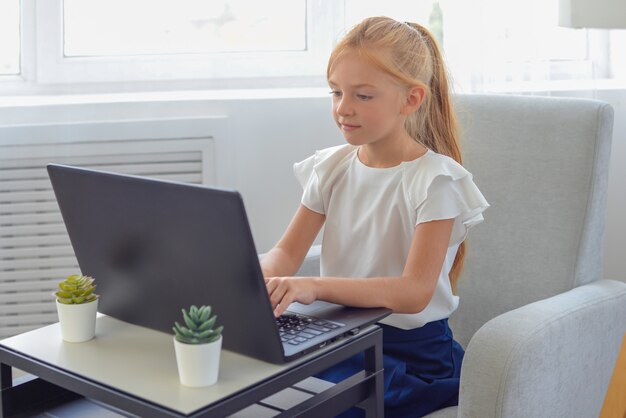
pixel 364 389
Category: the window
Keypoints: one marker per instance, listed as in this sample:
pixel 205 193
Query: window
pixel 618 58
pixel 182 27
pixel 10 35
pixel 427 13
pixel 94 41
pixel 490 43
pixel 504 44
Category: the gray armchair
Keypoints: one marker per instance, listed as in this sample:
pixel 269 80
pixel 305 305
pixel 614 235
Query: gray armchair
pixel 541 328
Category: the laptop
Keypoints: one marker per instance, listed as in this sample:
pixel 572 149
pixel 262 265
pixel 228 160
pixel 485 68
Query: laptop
pixel 157 246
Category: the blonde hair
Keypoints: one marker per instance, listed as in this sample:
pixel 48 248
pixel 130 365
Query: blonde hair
pixel 416 60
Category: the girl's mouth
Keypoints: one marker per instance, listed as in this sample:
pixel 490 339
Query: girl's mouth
pixel 346 127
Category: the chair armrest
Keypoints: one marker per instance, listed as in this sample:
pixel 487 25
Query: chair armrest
pixel 549 358
pixel 311 264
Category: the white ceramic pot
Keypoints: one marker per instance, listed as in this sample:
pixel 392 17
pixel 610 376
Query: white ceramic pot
pixel 198 364
pixel 78 322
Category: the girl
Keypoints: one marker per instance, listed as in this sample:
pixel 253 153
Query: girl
pixel 396 205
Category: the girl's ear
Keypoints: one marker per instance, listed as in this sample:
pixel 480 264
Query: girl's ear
pixel 414 99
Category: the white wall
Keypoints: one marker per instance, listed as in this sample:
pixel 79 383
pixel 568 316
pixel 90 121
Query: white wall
pixel 266 135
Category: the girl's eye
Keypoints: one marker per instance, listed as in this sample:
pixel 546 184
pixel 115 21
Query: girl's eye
pixel 364 97
pixel 335 93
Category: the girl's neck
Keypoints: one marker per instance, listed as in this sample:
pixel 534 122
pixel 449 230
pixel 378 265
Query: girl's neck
pixel 385 155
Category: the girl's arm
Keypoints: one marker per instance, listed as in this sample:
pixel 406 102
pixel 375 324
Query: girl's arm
pixel 409 293
pixel 287 255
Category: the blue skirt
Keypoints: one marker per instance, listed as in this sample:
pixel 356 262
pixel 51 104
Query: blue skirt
pixel 422 370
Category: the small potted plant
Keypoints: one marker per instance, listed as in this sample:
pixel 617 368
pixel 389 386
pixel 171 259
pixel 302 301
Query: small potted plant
pixel 198 346
pixel 77 305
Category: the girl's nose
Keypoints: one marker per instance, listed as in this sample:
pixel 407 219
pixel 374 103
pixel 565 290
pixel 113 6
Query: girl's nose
pixel 344 107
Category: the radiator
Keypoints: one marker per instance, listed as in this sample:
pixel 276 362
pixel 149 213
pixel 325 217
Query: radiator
pixel 35 251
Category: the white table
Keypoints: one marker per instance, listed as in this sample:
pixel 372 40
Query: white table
pixel 134 369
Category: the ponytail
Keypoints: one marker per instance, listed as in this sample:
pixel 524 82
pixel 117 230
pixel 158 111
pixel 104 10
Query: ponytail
pixel 436 125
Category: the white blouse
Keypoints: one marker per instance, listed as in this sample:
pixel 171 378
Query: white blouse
pixel 371 214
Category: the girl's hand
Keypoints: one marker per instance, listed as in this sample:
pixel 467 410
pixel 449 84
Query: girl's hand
pixel 285 290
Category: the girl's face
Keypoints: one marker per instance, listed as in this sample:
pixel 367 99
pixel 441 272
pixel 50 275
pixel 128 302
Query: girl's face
pixel 367 102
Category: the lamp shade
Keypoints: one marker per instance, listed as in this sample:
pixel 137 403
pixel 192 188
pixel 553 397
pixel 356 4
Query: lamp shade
pixel 604 14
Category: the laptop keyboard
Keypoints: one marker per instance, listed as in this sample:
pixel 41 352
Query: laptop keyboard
pixel 296 329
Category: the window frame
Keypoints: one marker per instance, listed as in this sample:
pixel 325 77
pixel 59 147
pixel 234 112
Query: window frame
pixel 54 67
pixel 43 66
pixel 27 47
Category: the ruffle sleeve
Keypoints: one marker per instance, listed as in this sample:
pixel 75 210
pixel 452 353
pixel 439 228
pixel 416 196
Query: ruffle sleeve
pixel 449 192
pixel 316 174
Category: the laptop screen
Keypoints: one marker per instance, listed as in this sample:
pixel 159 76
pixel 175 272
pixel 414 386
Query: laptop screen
pixel 155 247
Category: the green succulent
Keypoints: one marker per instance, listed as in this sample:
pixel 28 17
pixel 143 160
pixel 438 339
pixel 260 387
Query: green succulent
pixel 199 329
pixel 76 289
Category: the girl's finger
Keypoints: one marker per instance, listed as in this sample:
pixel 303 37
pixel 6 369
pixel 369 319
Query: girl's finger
pixel 280 308
pixel 276 296
pixel 284 304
